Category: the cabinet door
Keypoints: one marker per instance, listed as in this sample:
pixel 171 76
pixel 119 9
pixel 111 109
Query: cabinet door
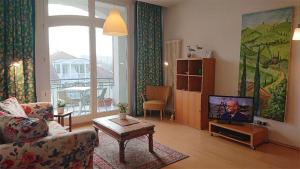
pixel 179 106
pixel 194 109
pixel 185 107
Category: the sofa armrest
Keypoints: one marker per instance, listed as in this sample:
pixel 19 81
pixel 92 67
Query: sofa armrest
pixel 69 150
pixel 41 110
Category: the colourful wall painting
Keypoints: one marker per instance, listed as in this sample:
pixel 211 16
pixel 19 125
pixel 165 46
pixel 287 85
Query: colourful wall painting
pixel 264 58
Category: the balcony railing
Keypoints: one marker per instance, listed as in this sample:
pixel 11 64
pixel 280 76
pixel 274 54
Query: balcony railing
pixel 76 94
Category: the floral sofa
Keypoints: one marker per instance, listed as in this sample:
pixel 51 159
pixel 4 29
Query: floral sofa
pixel 59 149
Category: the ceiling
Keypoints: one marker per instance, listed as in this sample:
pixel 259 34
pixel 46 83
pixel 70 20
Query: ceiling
pixel 164 3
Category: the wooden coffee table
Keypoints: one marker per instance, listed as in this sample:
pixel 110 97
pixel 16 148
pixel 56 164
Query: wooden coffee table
pixel 124 132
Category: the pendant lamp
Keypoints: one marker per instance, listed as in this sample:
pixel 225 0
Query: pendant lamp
pixel 114 24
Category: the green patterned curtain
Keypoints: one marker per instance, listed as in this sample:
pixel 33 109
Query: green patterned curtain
pixel 148 49
pixel 17 50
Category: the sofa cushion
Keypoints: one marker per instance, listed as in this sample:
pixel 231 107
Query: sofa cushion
pixel 41 110
pixel 20 129
pixel 12 106
pixel 55 128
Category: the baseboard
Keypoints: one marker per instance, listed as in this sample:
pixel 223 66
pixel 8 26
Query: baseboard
pixel 284 145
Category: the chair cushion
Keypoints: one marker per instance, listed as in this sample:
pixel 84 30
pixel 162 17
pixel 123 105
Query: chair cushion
pixel 153 105
pixel 20 129
pixel 12 106
pixel 55 129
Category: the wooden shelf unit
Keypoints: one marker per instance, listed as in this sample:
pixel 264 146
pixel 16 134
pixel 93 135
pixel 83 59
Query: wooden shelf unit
pixel 248 134
pixel 195 81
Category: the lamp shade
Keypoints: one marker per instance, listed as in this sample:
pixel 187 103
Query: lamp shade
pixel 296 34
pixel 114 24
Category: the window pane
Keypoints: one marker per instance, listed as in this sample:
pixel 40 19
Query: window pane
pixel 102 9
pixel 68 7
pixel 112 82
pixel 69 49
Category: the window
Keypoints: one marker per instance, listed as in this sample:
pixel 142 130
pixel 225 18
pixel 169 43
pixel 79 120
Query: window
pixel 71 45
pixel 87 68
pixel 81 68
pixel 65 68
pixel 57 68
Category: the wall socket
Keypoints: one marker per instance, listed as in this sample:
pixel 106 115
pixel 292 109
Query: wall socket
pixel 263 123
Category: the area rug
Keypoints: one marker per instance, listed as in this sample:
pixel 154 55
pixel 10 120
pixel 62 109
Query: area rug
pixel 137 155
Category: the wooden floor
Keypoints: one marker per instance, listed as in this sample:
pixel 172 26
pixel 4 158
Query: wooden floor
pixel 210 152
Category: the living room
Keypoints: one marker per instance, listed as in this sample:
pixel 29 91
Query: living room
pixel 149 84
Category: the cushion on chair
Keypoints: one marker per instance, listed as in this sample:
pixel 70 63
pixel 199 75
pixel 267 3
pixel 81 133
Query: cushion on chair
pixel 153 105
pixel 12 106
pixel 20 129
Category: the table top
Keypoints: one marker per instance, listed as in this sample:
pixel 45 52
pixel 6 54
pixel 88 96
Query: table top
pixel 62 115
pixel 119 129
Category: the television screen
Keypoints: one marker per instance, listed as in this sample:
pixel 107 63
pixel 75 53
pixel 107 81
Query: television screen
pixel 231 108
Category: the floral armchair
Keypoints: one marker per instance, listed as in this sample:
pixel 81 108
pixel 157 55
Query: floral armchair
pixel 60 149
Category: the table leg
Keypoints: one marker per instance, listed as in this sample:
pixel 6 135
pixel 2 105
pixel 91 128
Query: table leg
pixel 151 142
pixel 62 121
pixel 70 123
pixel 121 151
pixel 97 136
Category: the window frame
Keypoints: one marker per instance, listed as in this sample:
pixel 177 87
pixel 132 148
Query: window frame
pixel 92 23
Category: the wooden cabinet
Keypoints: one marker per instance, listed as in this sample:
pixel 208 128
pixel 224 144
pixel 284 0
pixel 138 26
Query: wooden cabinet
pixel 195 82
pixel 248 134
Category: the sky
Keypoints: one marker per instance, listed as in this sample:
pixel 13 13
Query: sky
pixel 273 16
pixel 74 40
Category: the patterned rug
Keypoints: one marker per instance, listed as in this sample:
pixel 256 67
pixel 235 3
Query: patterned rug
pixel 137 155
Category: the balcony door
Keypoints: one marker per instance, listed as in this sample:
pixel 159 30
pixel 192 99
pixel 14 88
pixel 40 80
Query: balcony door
pixel 88 70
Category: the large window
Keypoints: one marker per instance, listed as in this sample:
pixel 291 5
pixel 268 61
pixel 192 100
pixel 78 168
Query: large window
pixel 89 69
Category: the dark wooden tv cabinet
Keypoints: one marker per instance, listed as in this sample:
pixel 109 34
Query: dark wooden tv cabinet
pixel 248 134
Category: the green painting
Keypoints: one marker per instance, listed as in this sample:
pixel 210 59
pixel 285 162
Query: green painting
pixel 264 58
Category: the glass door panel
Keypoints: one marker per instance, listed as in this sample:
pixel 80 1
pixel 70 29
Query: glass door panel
pixel 70 67
pixel 112 81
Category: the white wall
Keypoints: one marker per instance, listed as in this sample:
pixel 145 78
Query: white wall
pixel 216 25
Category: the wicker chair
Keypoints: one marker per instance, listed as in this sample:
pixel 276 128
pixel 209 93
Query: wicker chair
pixel 155 98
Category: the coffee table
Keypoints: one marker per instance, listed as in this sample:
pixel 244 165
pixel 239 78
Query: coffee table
pixel 123 133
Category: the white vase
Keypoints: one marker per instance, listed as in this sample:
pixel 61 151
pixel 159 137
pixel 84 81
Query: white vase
pixel 60 110
pixel 122 116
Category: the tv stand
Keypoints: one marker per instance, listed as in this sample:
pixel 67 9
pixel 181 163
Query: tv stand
pixel 247 134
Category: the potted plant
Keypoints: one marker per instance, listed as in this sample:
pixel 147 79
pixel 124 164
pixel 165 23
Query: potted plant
pixel 60 106
pixel 123 111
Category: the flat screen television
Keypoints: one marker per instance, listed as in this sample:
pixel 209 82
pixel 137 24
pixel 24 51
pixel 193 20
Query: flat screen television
pixel 231 109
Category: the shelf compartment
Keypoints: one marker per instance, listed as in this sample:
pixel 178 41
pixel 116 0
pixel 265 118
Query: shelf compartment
pixel 182 67
pixel 195 83
pixel 181 82
pixel 195 67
